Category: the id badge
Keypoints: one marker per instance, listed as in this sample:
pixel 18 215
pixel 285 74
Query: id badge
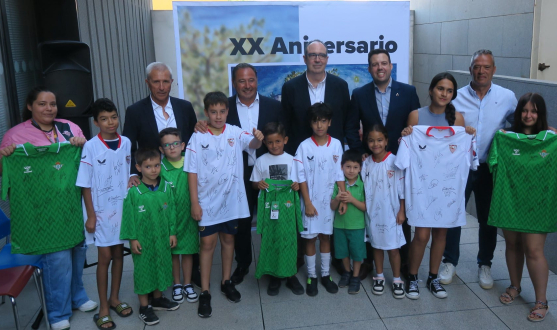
pixel 274 211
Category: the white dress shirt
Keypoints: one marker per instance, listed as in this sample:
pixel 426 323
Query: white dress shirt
pixel 249 116
pixel 317 94
pixel 162 122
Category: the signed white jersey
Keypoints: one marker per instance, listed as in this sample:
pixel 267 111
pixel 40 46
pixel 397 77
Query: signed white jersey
pixel 218 162
pixel 106 172
pixel 437 162
pixel 319 166
pixel 384 188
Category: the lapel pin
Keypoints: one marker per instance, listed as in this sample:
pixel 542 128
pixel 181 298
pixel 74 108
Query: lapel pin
pixel 396 94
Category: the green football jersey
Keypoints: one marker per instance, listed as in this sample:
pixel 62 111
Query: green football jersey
pixel 524 182
pixel 150 217
pixel 187 231
pixel 45 203
pixel 279 219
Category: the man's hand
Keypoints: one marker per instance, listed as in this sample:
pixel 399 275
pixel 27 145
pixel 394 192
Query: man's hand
pixel 173 241
pixel 135 246
pixel 91 224
pixel 78 141
pixel 257 134
pixel 262 185
pixel 8 150
pixel 201 127
pixel 295 186
pixel 196 211
pixel 134 181
pixel 310 210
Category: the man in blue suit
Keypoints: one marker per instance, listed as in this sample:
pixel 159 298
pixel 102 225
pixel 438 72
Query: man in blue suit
pixel 387 102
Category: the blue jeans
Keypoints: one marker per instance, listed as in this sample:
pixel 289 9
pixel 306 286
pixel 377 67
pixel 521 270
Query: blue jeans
pixel 481 183
pixel 63 285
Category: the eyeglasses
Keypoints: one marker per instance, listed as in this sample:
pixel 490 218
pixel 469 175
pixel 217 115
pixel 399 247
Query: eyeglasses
pixel 313 56
pixel 171 145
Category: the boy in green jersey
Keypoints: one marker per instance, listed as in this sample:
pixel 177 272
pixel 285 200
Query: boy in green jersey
pixel 187 232
pixel 149 222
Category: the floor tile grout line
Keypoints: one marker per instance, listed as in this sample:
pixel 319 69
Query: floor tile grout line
pixel 255 260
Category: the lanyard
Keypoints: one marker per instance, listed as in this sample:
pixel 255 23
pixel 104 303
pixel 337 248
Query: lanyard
pixel 53 130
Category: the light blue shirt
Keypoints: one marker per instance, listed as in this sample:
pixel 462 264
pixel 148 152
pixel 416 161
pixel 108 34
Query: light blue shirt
pixel 383 101
pixel 488 115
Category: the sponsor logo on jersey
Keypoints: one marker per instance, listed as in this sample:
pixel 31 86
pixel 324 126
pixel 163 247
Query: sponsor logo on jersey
pixel 27 169
pixel 205 147
pixel 288 204
pixel 102 162
pixel 335 158
pixel 367 174
pixel 267 205
pixel 231 142
pixel 452 148
pixel 422 148
pixel 516 152
pixel 310 158
pixel 128 159
pixel 141 208
pixel 83 157
pixel 544 153
pixel 58 166
pixel 390 173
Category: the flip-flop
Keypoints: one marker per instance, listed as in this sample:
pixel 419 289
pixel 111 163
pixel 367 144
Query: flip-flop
pixel 100 321
pixel 122 307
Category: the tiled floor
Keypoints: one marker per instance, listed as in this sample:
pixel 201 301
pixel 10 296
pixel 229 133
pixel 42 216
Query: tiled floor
pixel 467 307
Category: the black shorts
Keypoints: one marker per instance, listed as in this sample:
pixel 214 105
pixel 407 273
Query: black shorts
pixel 228 227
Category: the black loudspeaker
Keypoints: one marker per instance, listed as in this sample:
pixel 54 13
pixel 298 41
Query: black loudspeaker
pixel 66 68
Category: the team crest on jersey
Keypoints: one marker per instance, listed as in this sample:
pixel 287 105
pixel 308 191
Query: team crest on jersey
pixel 27 169
pixel 231 142
pixel 58 166
pixel 422 148
pixel 288 204
pixel 66 133
pixel 516 152
pixel 390 173
pixel 335 158
pixel 544 153
pixel 267 205
pixel 141 208
pixel 452 148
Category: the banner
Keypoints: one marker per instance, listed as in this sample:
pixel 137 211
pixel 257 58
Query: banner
pixel 212 37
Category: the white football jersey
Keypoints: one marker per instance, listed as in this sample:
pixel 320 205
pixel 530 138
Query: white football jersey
pixel 320 167
pixel 437 162
pixel 272 167
pixel 218 162
pixel 106 172
pixel 384 188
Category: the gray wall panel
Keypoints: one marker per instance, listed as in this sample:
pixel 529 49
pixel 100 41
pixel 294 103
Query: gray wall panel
pixel 454 38
pixel 427 39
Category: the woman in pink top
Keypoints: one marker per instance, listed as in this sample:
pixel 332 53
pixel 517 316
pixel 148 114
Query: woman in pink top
pixel 62 270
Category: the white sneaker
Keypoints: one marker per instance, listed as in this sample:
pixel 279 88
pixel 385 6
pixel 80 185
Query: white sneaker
pixel 62 325
pixel 88 306
pixel 484 274
pixel 446 273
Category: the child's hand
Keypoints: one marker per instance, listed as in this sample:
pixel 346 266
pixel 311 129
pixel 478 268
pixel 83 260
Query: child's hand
pixel 91 224
pixel 134 181
pixel 342 208
pixel 78 141
pixel 346 197
pixel 135 246
pixel 173 241
pixel 470 130
pixel 262 185
pixel 258 135
pixel 364 157
pixel 196 211
pixel 400 217
pixel 406 131
pixel 310 210
pixel 295 186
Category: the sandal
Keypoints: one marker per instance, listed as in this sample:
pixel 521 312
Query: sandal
pixel 537 317
pixel 378 285
pixel 507 298
pixel 122 307
pixel 100 321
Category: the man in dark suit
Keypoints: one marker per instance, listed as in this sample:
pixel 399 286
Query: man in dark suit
pixel 387 102
pixel 313 86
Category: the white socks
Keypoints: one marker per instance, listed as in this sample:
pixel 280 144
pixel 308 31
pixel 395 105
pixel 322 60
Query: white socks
pixel 310 262
pixel 325 264
pixel 397 279
pixel 380 275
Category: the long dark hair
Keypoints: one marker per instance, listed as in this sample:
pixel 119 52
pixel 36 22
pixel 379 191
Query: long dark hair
pixel 450 111
pixel 539 104
pixel 32 97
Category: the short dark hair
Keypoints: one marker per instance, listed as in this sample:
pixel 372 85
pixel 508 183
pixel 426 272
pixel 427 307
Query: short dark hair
pixel 351 155
pixel 32 97
pixel 102 104
pixel 274 127
pixel 214 98
pixel 318 111
pixel 539 104
pixel 242 66
pixel 170 131
pixel 375 52
pixel 374 128
pixel 143 154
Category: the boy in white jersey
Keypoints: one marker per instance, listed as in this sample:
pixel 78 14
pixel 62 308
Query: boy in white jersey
pixel 218 198
pixel 103 175
pixel 317 167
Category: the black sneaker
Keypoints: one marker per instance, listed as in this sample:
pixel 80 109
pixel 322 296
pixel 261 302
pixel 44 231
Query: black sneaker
pixel 311 287
pixel 177 294
pixel 230 291
pixel 238 275
pixel 344 279
pixel 436 288
pixel 354 286
pixel 204 309
pixel 293 284
pixel 329 285
pixel 412 290
pixel 274 286
pixel 147 315
pixel 163 304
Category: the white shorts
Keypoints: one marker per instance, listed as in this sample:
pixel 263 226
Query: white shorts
pixel 312 236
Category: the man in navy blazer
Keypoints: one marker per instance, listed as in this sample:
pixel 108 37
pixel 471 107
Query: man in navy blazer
pixel 147 117
pixel 387 102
